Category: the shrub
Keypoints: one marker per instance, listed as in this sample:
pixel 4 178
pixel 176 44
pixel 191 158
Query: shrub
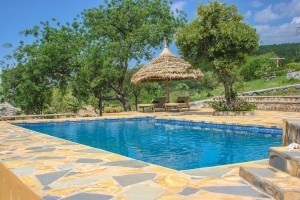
pixel 182 86
pixel 237 105
pixel 261 67
pixel 293 66
pixel 209 82
pixel 114 108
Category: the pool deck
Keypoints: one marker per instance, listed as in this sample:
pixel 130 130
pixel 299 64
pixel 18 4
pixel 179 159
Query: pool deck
pixel 54 168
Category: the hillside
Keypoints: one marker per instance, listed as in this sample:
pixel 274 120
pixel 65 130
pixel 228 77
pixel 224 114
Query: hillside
pixel 289 51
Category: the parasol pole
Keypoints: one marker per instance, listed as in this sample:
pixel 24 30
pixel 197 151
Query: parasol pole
pixel 168 94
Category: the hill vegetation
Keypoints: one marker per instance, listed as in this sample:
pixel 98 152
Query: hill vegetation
pixel 289 51
pixel 86 61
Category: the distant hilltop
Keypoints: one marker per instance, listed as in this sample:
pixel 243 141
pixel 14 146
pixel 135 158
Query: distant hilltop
pixel 289 51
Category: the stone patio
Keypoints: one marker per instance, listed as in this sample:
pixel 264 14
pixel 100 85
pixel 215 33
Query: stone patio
pixel 45 167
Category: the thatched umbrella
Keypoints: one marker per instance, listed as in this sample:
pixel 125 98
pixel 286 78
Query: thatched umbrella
pixel 166 67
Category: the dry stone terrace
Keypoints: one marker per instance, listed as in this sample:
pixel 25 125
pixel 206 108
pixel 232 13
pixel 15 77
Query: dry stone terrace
pixel 50 168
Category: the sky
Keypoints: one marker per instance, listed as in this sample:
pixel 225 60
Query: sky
pixel 275 20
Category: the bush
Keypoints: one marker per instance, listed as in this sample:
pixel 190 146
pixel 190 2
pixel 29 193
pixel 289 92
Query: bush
pixel 261 67
pixel 293 66
pixel 114 108
pixel 209 82
pixel 237 105
pixel 182 86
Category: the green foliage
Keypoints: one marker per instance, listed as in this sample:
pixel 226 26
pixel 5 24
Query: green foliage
pixel 182 86
pixel 258 84
pixel 63 101
pixel 133 90
pixel 288 92
pixel 256 67
pixel 236 105
pixel 293 66
pixel 26 87
pixel 209 82
pixel 219 37
pixel 132 29
pixel 291 52
pixel 113 108
pixel 40 66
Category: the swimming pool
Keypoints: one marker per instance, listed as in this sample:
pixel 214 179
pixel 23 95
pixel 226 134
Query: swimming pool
pixel 175 144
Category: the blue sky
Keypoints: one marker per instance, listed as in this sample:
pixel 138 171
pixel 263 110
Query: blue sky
pixel 275 20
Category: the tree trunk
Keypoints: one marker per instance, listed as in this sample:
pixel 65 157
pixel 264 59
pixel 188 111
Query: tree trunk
pixel 230 95
pixel 136 102
pixel 100 101
pixel 125 102
pixel 227 80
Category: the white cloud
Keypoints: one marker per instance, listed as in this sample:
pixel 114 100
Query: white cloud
pixel 296 20
pixel 248 14
pixel 266 15
pixel 257 4
pixel 178 5
pixel 283 33
pixel 278 11
pixel 291 9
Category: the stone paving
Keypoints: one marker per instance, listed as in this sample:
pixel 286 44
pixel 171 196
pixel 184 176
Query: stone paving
pixel 58 169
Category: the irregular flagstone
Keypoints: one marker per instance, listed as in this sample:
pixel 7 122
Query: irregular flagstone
pixel 47 188
pixel 66 167
pixel 14 158
pixel 43 150
pixel 264 172
pixel 72 173
pixel 88 196
pixel 116 177
pixel 48 158
pixel 188 191
pixel 27 170
pixel 235 190
pixel 144 191
pixel 35 148
pixel 128 163
pixel 88 160
pixel 76 181
pixel 91 151
pixel 131 179
pixel 48 178
pixel 216 172
pixel 51 198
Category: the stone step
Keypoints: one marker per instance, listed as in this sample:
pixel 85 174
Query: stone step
pixel 284 160
pixel 274 182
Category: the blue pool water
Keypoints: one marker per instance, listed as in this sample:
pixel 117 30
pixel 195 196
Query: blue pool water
pixel 173 145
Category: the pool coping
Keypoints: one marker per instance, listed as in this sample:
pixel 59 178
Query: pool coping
pixel 161 168
pixel 203 124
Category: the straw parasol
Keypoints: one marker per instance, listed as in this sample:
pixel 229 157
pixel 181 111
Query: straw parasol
pixel 166 67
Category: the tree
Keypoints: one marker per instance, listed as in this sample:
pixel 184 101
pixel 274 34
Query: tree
pixel 26 87
pixel 132 29
pixel 218 37
pixel 133 89
pixel 40 66
pixel 209 82
pixel 256 67
pixel 94 74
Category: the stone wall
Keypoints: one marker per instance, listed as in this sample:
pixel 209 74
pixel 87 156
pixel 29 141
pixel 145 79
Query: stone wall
pixel 291 132
pixel 275 103
pixel 260 92
pixel 270 103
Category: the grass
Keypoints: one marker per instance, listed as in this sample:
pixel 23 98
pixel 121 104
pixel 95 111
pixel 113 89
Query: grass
pixel 245 87
pixel 289 92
